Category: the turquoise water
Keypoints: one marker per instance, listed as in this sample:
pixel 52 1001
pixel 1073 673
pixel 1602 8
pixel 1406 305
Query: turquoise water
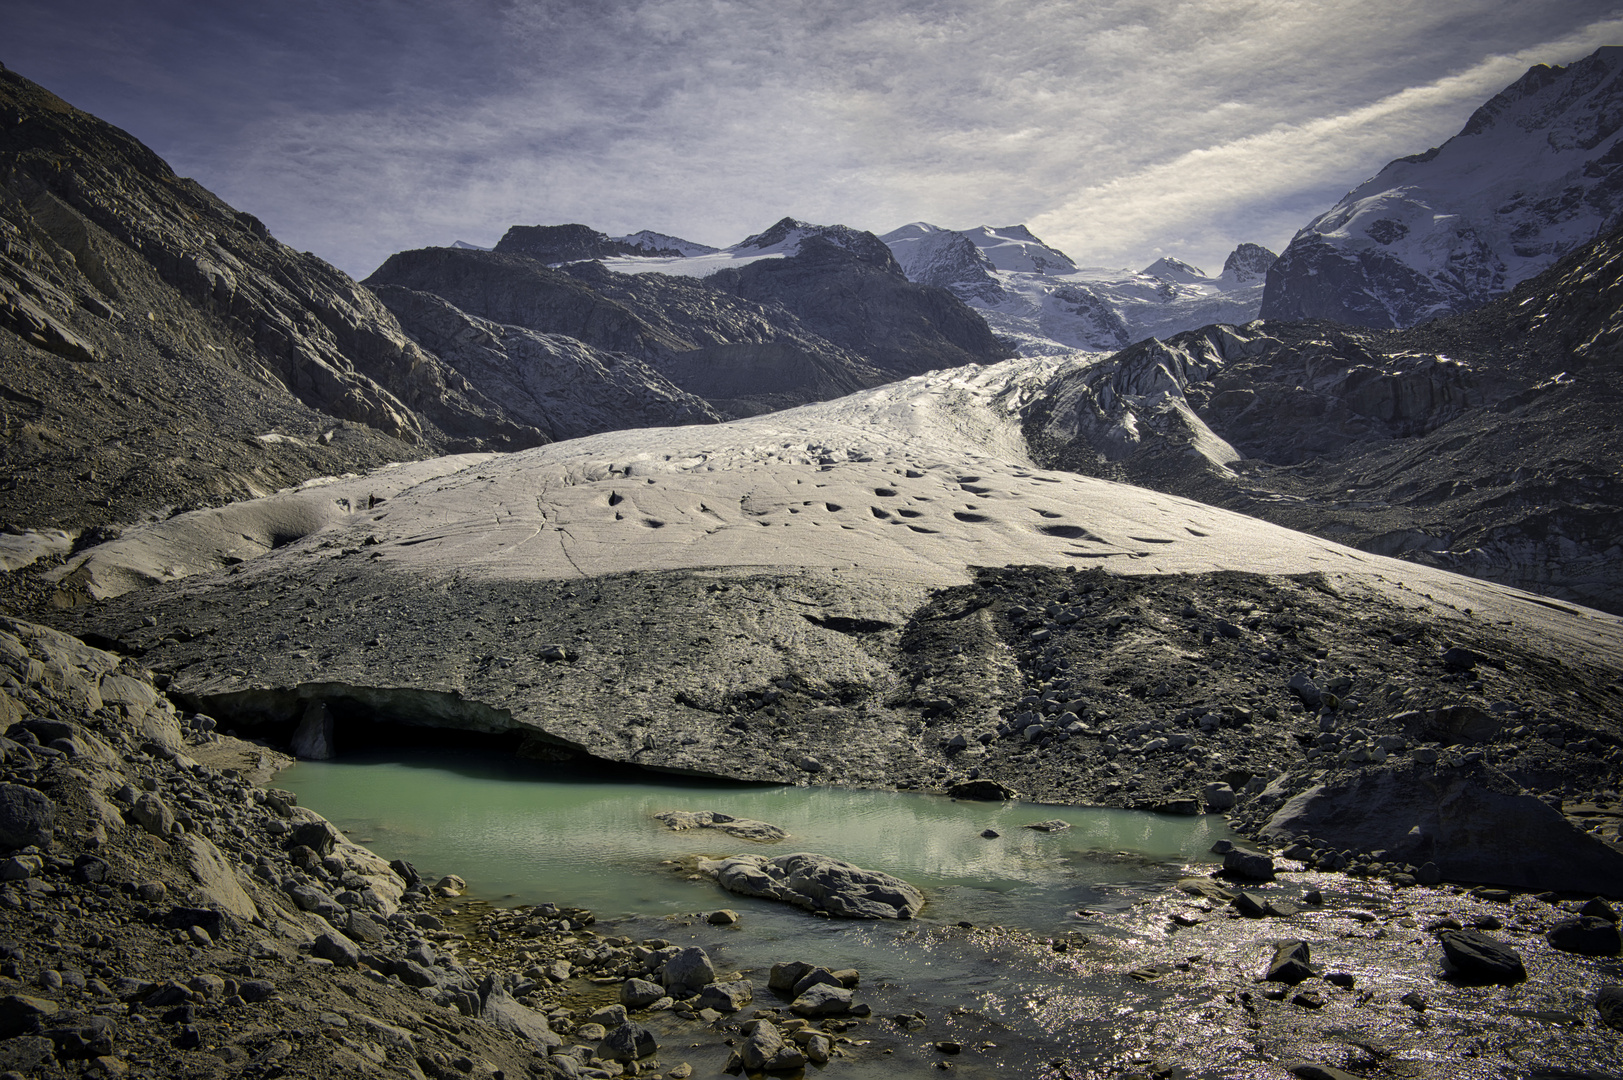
pixel 522 832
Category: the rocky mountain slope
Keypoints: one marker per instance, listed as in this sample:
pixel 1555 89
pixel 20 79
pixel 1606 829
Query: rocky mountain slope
pixel 797 313
pixel 1039 298
pixel 1531 176
pixel 1486 442
pixel 160 350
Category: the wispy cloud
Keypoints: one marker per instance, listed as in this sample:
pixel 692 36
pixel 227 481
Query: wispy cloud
pixel 1121 130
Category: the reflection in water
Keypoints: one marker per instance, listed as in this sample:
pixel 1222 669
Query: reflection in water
pixel 536 832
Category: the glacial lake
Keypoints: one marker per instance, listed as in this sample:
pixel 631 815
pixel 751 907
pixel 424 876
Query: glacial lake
pixel 522 832
pixel 1019 989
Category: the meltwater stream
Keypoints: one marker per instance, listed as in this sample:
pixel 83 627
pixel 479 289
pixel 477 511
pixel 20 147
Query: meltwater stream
pixel 521 832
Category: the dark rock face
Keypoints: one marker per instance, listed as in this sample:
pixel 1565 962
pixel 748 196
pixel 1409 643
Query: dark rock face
pixel 854 294
pixel 1476 957
pixel 739 356
pixel 150 334
pixel 1415 242
pixel 1314 279
pixel 568 243
pixel 553 383
pixel 1473 825
pixel 1248 263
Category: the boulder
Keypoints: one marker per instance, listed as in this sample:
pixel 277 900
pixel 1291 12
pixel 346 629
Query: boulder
pixel 27 817
pixel 337 948
pixel 627 1043
pixel 766 1051
pixel 639 993
pixel 1598 908
pixel 1587 935
pixel 1218 797
pixel 726 997
pixel 688 972
pixel 1248 863
pixel 818 883
pixel 499 1007
pixel 1609 1003
pixel 822 1000
pixel 153 814
pixel 1475 957
pixel 1472 823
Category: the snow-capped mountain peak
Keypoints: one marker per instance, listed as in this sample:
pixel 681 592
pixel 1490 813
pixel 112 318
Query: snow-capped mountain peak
pixel 1036 295
pixel 657 243
pixel 1534 173
pixel 1169 269
pixel 1014 247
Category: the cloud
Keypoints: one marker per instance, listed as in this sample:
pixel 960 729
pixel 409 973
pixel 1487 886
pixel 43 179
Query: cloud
pixel 1122 129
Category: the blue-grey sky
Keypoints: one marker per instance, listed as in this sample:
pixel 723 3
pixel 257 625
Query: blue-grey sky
pixel 1119 130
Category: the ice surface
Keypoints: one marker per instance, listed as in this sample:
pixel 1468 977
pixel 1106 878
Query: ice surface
pixel 909 484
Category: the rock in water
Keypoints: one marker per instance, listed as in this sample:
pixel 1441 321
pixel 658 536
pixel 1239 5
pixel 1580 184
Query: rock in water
pixel 688 971
pixel 818 883
pixel 743 828
pixel 766 1050
pixel 1587 935
pixel 627 1043
pixel 1476 957
pixel 1290 963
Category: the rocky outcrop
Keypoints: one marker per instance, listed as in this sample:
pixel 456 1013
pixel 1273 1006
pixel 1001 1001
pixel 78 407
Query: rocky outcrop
pixel 1532 175
pixel 552 244
pixel 1471 443
pixel 1473 824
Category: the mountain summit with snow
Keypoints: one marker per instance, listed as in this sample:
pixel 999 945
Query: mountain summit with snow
pixel 1038 297
pixel 1533 175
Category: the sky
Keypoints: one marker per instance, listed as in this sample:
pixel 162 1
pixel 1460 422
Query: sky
pixel 1118 130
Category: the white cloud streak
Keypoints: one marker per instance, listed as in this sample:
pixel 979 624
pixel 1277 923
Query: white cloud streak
pixel 1120 129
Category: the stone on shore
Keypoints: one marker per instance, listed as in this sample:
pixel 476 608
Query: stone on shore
pixel 818 883
pixel 1248 863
